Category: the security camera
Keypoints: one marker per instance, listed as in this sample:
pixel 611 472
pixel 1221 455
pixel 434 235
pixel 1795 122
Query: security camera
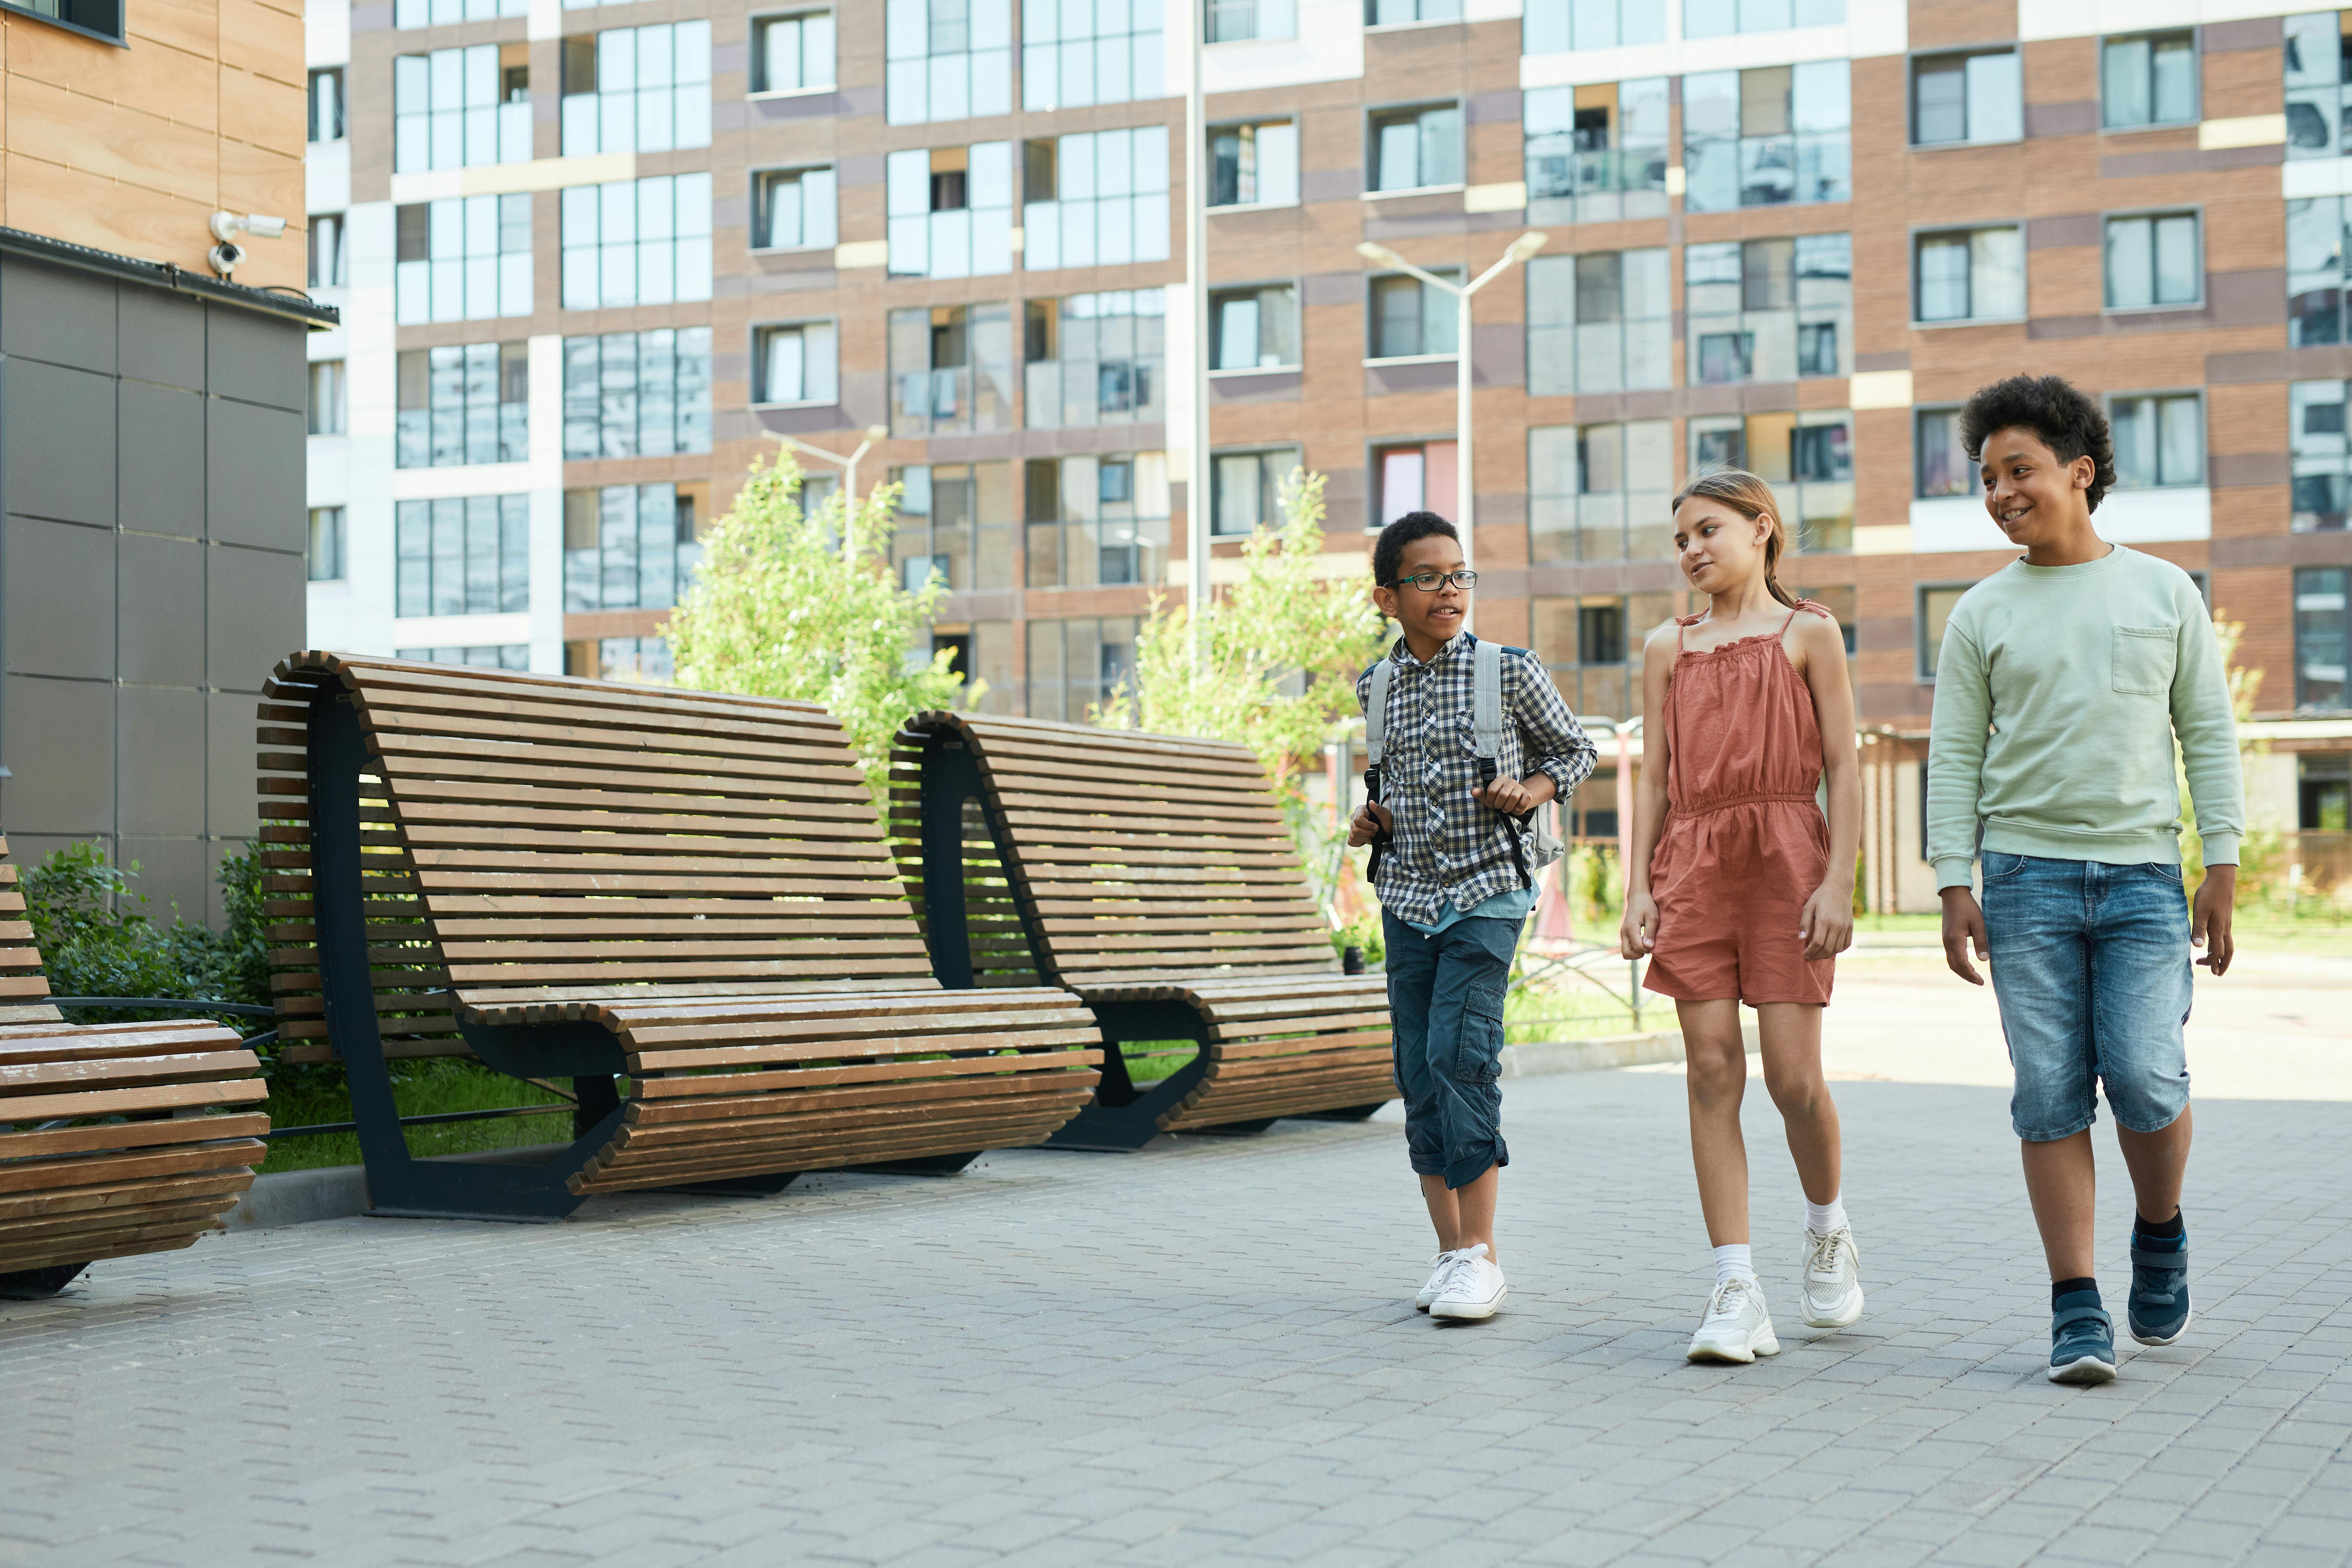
pixel 229 256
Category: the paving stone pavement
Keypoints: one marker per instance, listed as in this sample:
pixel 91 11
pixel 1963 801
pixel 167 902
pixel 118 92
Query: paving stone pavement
pixel 1207 1354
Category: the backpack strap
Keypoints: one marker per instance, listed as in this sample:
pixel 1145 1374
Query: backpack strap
pixel 1487 703
pixel 1376 706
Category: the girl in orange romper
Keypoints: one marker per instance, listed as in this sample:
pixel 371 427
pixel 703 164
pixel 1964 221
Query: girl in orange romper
pixel 1739 890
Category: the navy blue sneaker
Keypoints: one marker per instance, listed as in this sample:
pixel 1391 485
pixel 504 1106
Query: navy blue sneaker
pixel 2082 1340
pixel 2158 1308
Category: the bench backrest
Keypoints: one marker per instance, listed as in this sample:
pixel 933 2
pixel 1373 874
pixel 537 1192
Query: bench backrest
pixel 582 838
pixel 24 989
pixel 1137 857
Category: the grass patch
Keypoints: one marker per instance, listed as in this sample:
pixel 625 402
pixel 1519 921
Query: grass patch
pixel 428 1088
pixel 1154 1061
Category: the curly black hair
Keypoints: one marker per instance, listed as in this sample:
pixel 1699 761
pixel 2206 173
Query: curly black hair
pixel 1388 552
pixel 2069 421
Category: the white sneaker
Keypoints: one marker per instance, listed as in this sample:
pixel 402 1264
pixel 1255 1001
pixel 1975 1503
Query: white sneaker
pixel 1832 1296
pixel 1736 1327
pixel 1439 1267
pixel 1473 1286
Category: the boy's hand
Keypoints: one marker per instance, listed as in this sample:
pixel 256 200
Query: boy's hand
pixel 1826 927
pixel 1637 933
pixel 1963 924
pixel 2209 919
pixel 1517 797
pixel 1371 821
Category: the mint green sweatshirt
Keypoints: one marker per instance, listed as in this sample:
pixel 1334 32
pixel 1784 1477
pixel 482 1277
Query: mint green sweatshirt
pixel 2058 693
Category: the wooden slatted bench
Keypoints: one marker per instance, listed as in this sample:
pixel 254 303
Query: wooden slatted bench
pixel 681 901
pixel 115 1139
pixel 1154 876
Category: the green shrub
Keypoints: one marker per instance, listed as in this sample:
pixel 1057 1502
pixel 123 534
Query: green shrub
pixel 97 938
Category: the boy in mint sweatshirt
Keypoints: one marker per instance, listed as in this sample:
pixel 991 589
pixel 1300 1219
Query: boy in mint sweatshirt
pixel 2063 680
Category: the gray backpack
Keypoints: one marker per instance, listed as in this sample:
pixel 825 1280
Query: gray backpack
pixel 1534 843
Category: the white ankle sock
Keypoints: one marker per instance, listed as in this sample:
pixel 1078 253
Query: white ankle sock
pixel 1823 1218
pixel 1732 1261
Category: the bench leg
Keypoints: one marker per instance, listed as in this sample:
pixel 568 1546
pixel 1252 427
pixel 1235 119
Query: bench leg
pixel 1124 1116
pixel 922 1164
pixel 766 1185
pixel 38 1284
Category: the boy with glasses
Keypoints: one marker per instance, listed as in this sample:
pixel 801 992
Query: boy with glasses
pixel 1456 885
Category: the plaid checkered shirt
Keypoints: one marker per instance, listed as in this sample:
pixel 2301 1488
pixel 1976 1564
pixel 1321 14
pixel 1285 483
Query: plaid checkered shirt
pixel 1448 848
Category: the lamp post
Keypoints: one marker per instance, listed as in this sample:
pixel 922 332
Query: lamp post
pixel 1379 255
pixel 848 466
pixel 1196 286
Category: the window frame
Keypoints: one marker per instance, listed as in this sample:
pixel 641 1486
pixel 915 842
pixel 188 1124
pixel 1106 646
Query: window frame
pixel 1254 122
pixel 1209 18
pixel 755 336
pixel 1262 449
pixel 758 210
pixel 337 373
pixel 1460 18
pixel 2196 79
pixel 338 519
pixel 1376 447
pixel 1923 675
pixel 1298 303
pixel 1912 62
pixel 342 104
pixel 751 25
pixel 119 35
pixel 1924 231
pixel 2295 591
pixel 2192 210
pixel 1920 411
pixel 1372 357
pixel 1373 114
pixel 2107 400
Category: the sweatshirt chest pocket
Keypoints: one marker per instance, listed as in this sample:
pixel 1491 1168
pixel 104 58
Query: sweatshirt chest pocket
pixel 2144 660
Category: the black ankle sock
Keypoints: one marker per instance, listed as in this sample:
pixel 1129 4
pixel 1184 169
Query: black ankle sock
pixel 2157 1230
pixel 2062 1289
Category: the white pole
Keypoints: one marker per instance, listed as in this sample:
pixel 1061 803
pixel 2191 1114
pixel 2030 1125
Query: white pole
pixel 1196 283
pixel 1465 489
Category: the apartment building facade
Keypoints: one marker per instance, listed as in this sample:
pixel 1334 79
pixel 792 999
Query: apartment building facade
pixel 593 260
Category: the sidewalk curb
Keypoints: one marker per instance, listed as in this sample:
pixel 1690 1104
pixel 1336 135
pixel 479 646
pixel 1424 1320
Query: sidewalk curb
pixel 1541 1056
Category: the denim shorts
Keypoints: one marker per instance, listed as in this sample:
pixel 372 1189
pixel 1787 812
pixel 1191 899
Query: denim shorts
pixel 1446 1000
pixel 2091 966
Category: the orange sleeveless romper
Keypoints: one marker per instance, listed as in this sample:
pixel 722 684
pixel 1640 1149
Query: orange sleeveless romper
pixel 1745 844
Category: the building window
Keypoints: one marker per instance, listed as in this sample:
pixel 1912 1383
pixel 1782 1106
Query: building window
pixel 1958 99
pixel 1095 359
pixel 1600 492
pixel 949 60
pixel 1969 275
pixel 1411 318
pixel 463 405
pixel 2315 433
pixel 2316 63
pixel 1075 55
pixel 1413 476
pixel 1098 521
pixel 1592 646
pixel 447 13
pixel 638 90
pixel 2324 791
pixel 1253 165
pixel 794 363
pixel 636 242
pixel 1599 323
pixel 1096 199
pixel 1404 12
pixel 957 522
pixel 326 406
pixel 1936 603
pixel 1715 18
pixel 2153 260
pixel 642 661
pixel 1769 309
pixel 950 370
pixel 2322 638
pixel 1769 136
pixel 2159 439
pixel 952 210
pixel 481 656
pixel 1077 666
pixel 1417 149
pixel 637 394
pixel 1231 21
pixel 1596 155
pixel 462 556
pixel 1245 489
pixel 462 259
pixel 793 53
pixel 794 210
pixel 327 105
pixel 1253 329
pixel 2315 272
pixel 330 267
pixel 1939 466
pixel 2150 80
pixel 454 109
pixel 1555 26
pixel 328 562
pixel 630 547
pixel 1808 455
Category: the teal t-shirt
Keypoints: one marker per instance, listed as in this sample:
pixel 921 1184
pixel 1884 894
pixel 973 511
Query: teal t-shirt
pixel 1511 905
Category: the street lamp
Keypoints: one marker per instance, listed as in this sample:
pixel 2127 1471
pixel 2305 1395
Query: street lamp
pixel 849 479
pixel 1379 255
pixel 1196 287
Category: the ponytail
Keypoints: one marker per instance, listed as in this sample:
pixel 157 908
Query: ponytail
pixel 1750 497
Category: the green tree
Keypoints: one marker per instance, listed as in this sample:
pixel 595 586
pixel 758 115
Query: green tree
pixel 777 611
pixel 1280 651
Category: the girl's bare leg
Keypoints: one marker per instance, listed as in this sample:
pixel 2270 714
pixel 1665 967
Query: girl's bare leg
pixel 1718 1079
pixel 1793 1072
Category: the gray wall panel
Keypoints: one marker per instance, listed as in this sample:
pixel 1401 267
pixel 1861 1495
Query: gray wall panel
pixel 60 442
pixel 158 731
pixel 61 753
pixel 50 313
pixel 231 766
pixel 172 873
pixel 255 459
pixel 256 358
pixel 254 602
pixel 161 605
pixel 162 338
pixel 160 460
pixel 60 599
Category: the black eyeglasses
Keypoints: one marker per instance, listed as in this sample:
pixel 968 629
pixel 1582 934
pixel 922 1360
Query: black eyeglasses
pixel 1431 582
